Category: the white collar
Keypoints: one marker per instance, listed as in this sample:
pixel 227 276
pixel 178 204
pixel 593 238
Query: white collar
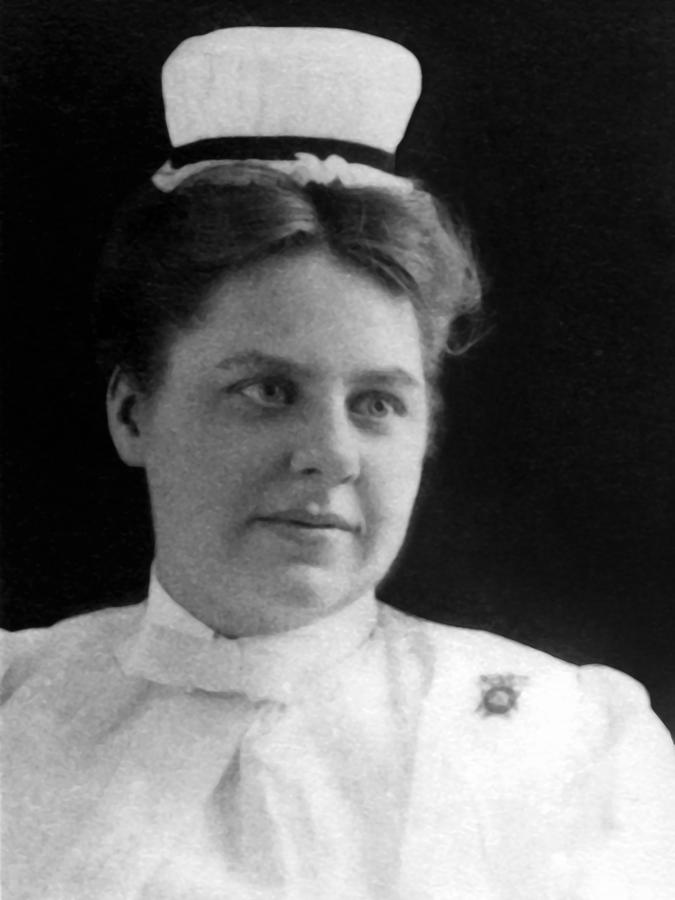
pixel 174 648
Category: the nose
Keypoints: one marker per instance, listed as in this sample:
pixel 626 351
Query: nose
pixel 326 445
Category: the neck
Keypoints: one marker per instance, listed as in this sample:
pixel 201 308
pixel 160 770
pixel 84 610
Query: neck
pixel 236 613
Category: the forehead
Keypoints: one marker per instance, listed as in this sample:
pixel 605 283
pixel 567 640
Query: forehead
pixel 309 307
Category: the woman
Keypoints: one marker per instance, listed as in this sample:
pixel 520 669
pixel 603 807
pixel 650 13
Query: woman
pixel 272 323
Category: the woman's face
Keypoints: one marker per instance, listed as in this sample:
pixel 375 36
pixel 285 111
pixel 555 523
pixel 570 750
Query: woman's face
pixel 285 446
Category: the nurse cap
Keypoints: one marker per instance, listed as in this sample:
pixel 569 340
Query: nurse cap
pixel 318 103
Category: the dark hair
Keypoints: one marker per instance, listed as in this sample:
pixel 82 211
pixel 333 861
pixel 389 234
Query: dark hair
pixel 166 250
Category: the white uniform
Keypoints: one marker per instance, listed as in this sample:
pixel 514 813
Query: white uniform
pixel 369 755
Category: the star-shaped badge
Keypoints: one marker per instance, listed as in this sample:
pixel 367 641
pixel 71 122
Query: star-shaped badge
pixel 499 694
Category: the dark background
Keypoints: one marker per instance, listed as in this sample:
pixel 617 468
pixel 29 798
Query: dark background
pixel 551 127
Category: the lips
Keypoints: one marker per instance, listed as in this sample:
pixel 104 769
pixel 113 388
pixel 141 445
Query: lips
pixel 304 518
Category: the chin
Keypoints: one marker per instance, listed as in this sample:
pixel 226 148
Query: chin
pixel 311 588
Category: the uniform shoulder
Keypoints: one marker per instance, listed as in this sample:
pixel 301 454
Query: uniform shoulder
pixel 476 670
pixel 25 652
pixel 617 709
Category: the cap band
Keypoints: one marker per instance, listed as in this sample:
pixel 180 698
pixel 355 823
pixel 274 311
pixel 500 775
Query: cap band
pixel 279 148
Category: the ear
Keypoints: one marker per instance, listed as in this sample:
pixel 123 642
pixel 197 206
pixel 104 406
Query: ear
pixel 125 404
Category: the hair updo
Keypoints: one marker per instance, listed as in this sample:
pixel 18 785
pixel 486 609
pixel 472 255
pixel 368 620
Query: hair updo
pixel 167 250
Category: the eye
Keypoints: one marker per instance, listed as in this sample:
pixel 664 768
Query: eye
pixel 378 405
pixel 270 392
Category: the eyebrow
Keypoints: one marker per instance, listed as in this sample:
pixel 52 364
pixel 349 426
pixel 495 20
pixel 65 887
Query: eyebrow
pixel 253 358
pixel 393 375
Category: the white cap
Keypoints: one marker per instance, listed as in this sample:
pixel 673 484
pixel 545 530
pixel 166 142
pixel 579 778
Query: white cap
pixel 305 82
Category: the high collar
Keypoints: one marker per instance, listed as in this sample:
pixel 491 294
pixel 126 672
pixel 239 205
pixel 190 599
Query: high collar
pixel 174 648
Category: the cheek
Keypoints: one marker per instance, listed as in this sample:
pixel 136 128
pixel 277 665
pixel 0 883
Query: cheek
pixel 394 480
pixel 212 475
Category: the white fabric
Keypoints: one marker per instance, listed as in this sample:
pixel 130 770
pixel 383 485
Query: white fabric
pixel 305 168
pixel 374 772
pixel 304 82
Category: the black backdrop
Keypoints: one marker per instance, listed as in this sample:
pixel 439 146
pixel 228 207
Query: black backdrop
pixel 551 125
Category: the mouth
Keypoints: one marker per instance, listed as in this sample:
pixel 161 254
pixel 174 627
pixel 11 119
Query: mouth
pixel 302 518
